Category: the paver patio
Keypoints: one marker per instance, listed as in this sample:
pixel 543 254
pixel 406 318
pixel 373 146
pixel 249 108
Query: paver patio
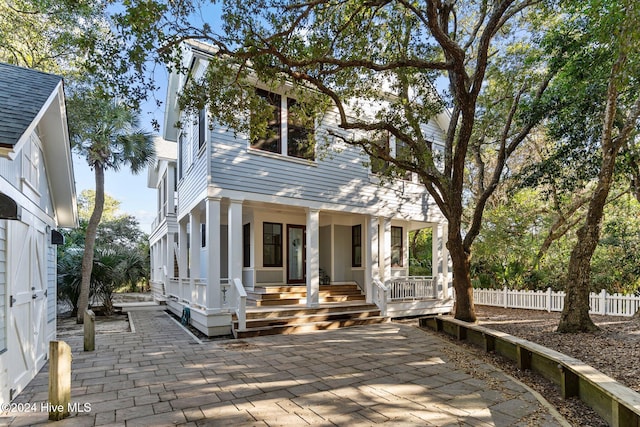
pixel 392 374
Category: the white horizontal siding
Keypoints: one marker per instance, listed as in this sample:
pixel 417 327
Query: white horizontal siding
pixel 338 176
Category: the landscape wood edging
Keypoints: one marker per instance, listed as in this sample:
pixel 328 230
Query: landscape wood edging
pixel 615 403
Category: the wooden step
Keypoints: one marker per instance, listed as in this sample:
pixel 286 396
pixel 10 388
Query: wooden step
pixel 296 301
pixel 307 327
pixel 280 309
pixel 261 313
pixel 310 318
pixel 302 288
pixel 298 294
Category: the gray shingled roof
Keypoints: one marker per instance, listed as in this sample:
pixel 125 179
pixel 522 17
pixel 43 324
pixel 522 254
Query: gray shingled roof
pixel 23 92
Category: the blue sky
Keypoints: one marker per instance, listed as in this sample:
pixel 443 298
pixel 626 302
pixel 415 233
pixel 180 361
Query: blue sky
pixel 130 190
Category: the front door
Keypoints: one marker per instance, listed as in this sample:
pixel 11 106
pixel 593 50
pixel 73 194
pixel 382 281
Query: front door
pixel 296 254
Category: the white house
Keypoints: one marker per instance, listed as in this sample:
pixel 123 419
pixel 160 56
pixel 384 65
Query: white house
pixel 37 195
pixel 237 216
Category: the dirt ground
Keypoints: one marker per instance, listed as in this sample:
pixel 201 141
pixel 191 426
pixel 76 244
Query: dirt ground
pixel 614 350
pixel 67 325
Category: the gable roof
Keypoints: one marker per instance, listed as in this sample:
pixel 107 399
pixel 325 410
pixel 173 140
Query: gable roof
pixel 23 93
pixel 33 101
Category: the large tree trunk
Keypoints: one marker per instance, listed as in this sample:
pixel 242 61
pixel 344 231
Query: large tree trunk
pixel 575 315
pixel 461 265
pixel 89 244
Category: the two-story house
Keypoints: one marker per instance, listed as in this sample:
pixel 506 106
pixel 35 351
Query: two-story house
pixel 272 215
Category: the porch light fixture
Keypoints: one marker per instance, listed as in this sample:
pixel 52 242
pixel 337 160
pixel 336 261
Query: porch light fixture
pixel 8 208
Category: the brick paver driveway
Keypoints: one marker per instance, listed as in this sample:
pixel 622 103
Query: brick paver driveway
pixel 390 373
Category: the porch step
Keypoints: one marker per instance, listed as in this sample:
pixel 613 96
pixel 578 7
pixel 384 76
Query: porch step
pixel 279 309
pixel 292 295
pixel 290 321
pixel 307 327
pixel 303 300
pixel 274 289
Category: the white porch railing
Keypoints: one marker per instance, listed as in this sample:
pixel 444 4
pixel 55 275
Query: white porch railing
pixel 200 292
pixel 600 303
pixel 380 296
pixel 232 294
pixel 412 288
pixel 225 292
pixel 173 288
pixel 238 301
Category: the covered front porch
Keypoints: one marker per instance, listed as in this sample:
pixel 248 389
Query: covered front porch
pixel 225 248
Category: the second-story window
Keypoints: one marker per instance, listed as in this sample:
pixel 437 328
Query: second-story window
pixel 202 129
pixel 391 147
pixel 181 142
pixel 268 139
pixel 299 133
pixel 403 152
pixel 379 165
pixel 295 138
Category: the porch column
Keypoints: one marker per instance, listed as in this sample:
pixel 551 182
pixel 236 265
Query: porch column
pixel 171 202
pixel 386 248
pixel 168 261
pixel 212 212
pixel 194 252
pixel 183 266
pixel 154 264
pixel 372 267
pixel 235 239
pixel 313 257
pixel 156 256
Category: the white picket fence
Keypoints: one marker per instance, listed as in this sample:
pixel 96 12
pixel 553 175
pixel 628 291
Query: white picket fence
pixel 602 303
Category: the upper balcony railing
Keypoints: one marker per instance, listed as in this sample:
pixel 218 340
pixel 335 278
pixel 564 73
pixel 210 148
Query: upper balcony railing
pixel 163 214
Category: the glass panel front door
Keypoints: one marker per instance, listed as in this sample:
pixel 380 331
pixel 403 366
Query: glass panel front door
pixel 296 258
